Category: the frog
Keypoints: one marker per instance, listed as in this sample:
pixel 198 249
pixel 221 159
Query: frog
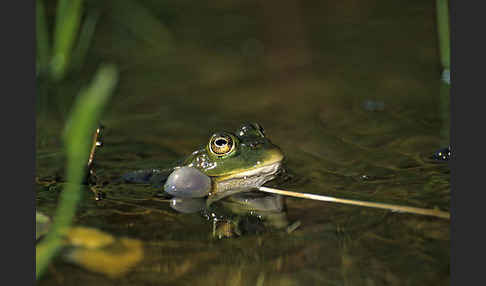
pixel 237 164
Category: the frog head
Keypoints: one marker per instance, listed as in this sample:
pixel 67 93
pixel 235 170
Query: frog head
pixel 238 161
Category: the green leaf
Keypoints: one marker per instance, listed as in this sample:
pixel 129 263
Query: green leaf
pixel 67 23
pixel 81 125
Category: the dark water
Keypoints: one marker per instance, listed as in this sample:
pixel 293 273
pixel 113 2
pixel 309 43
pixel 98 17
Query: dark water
pixel 350 91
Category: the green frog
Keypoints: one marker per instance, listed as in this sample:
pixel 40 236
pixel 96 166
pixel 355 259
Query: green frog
pixel 236 164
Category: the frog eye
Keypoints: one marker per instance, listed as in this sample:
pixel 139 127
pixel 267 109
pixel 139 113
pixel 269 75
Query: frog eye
pixel 221 144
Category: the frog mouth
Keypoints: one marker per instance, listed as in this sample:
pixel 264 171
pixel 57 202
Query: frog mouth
pixel 263 171
pixel 270 166
pixel 243 181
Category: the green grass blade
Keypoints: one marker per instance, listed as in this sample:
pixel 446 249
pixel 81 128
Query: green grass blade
pixel 83 121
pixel 85 37
pixel 42 36
pixel 65 32
pixel 443 31
pixel 141 22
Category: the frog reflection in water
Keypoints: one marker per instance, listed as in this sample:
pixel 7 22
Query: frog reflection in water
pixel 237 164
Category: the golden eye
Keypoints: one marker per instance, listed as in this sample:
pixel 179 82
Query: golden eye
pixel 221 144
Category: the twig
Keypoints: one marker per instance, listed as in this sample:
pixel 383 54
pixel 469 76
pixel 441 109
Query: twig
pixel 396 208
pixel 95 143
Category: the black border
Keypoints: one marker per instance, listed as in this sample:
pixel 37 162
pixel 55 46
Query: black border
pixel 455 279
pixel 18 140
pixel 467 187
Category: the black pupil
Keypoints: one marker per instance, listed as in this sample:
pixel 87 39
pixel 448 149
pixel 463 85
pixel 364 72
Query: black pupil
pixel 221 142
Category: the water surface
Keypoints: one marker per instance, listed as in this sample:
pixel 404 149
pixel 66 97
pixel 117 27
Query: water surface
pixel 350 92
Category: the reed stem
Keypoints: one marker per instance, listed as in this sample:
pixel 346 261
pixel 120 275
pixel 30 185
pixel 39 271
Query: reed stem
pixel 42 37
pixel 68 19
pixel 396 208
pixel 443 32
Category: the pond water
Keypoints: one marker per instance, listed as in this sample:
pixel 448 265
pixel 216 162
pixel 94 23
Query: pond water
pixel 350 92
